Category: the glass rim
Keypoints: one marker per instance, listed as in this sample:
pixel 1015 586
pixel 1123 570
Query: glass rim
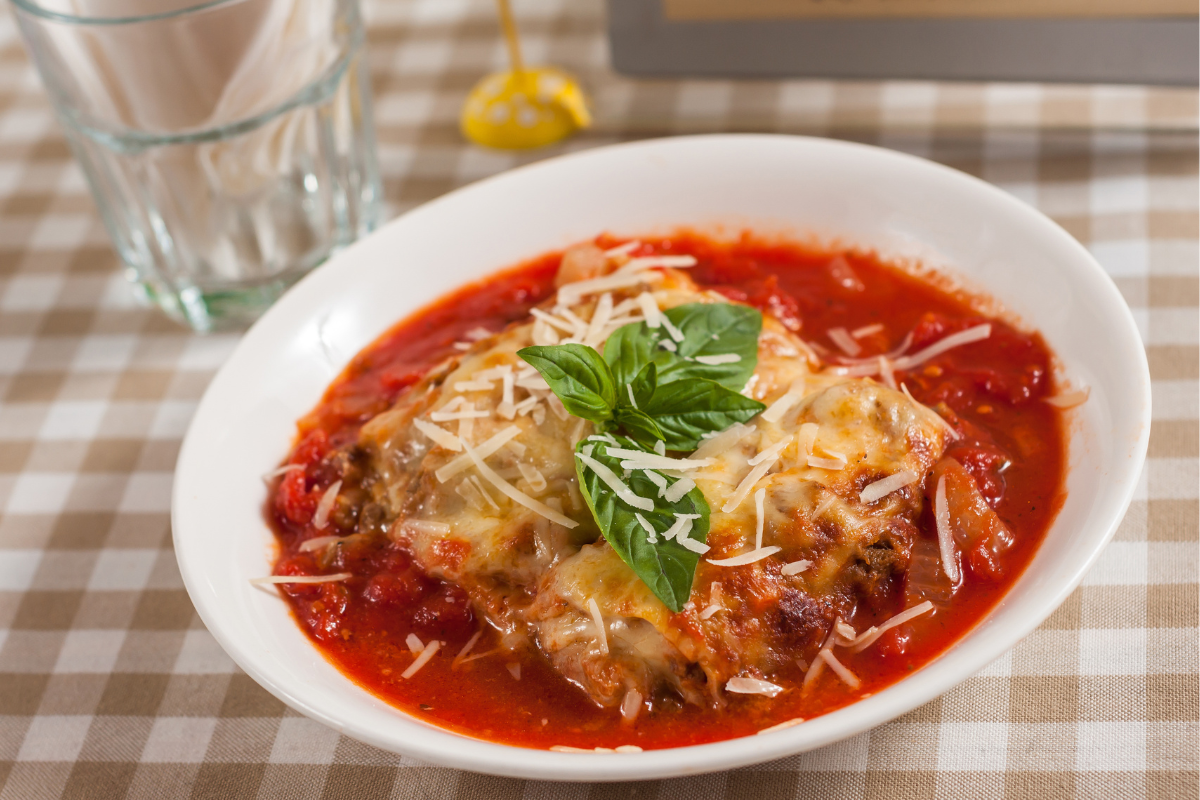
pixel 35 9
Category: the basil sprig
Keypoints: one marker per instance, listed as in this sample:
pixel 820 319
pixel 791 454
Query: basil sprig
pixel 665 565
pixel 651 388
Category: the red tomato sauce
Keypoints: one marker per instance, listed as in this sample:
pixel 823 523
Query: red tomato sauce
pixel 1013 445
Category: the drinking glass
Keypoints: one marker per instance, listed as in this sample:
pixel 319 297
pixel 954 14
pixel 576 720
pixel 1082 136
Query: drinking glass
pixel 228 144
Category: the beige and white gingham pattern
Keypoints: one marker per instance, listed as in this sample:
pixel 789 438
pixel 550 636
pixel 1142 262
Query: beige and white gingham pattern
pixel 111 688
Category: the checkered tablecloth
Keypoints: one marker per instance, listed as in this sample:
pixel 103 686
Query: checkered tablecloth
pixel 110 687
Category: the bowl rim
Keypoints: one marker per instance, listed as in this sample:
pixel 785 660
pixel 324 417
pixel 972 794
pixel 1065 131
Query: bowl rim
pixel 442 746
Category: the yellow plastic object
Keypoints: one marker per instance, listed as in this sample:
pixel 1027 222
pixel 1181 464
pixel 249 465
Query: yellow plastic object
pixel 524 108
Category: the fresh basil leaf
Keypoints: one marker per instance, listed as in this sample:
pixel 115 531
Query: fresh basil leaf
pixel 630 348
pixel 685 410
pixel 709 329
pixel 579 376
pixel 666 567
pixel 644 384
pixel 640 426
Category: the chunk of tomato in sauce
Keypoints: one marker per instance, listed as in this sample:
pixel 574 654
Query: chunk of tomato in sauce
pixel 446 613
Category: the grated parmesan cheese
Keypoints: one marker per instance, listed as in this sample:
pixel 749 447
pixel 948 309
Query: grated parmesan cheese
pixel 678 490
pixel 759 497
pixel 425 526
pixel 866 330
pixel 631 704
pixel 438 435
pixel 870 635
pixel 640 459
pixel 743 488
pixel 552 320
pixel 1068 399
pixel 484 450
pixel 795 567
pixel 791 397
pixel 320 517
pixel 746 558
pixel 600 317
pixel 317 543
pixel 946 426
pixel 422 659
pixel 808 437
pixel 976 334
pixel 941 515
pixel 515 494
pixel 273 579
pixel 284 470
pixel 725 440
pixel 781 726
pixel 886 373
pixel 468 412
pixel 623 249
pixel 826 463
pixel 533 476
pixel 650 311
pixel 598 621
pixel 824 505
pixel 615 483
pixel 672 331
pixel 839 669
pixel 882 488
pixel 571 293
pixel 752 686
pixel 657 480
pixel 466 648
pixel 651 534
pixel 708 612
pixel 723 358
pixel 472 386
pixel 844 341
pixel 771 453
pixel 635 265
pixel 474 479
pixel 415 645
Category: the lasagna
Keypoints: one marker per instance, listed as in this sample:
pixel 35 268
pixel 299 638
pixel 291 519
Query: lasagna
pixel 644 500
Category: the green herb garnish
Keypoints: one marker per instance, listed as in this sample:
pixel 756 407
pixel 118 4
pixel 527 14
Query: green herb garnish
pixel 670 385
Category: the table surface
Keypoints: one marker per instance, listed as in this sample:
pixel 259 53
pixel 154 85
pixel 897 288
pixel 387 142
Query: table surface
pixel 110 686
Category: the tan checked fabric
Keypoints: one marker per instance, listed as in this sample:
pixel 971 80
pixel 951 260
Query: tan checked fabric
pixel 111 688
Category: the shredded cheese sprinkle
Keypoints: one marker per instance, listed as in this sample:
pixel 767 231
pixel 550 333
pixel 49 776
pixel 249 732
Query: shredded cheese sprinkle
pixel 678 490
pixel 741 685
pixel 615 483
pixel 317 543
pixel 272 579
pixel 870 635
pixel 791 723
pixel 325 505
pixel 795 567
pixel 791 397
pixel 484 450
pixel 438 435
pixel 759 497
pixel 839 669
pixel 1069 399
pixel 598 620
pixel 723 358
pixel 650 311
pixel 651 534
pixel 941 515
pixel 422 659
pixel 882 488
pixel 515 494
pixel 745 558
pixel 844 341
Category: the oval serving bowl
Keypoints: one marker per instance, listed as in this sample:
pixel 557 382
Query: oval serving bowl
pixel 901 206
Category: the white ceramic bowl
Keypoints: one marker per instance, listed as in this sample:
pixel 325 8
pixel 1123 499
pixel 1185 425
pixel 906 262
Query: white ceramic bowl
pixel 901 205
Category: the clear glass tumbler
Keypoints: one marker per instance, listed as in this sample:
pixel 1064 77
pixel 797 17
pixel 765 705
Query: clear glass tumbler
pixel 229 144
